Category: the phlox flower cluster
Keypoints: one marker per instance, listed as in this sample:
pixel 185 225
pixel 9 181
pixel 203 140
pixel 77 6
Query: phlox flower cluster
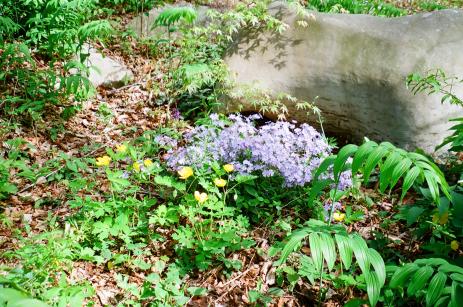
pixel 275 148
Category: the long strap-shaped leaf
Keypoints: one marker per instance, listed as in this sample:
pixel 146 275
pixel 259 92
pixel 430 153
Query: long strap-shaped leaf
pixel 394 163
pixel 373 287
pixel 419 280
pixel 323 249
pixel 345 250
pixel 294 240
pixel 436 286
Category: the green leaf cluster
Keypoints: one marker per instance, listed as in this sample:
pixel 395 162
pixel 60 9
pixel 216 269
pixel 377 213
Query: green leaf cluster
pixel 330 244
pixel 433 281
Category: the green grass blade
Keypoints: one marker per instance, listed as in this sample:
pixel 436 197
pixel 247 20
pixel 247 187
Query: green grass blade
pixel 409 179
pixel 323 167
pixel 432 184
pixel 293 241
pixel 372 160
pixel 373 287
pixel 360 249
pixel 386 170
pixel 456 299
pixel 399 170
pixel 316 188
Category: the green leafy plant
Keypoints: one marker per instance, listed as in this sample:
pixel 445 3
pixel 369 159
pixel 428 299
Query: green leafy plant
pixel 197 77
pixel 437 82
pixel 393 164
pixel 44 260
pixel 377 8
pixel 171 16
pixel 433 281
pixel 330 243
pixel 137 6
pixel 38 39
pixel 6 187
pixel 11 297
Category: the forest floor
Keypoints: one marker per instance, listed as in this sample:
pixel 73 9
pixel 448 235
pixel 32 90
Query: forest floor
pixel 121 115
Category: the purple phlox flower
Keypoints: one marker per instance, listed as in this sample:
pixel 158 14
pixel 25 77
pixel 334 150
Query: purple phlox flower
pixel 175 113
pixel 214 117
pixel 165 141
pixel 273 149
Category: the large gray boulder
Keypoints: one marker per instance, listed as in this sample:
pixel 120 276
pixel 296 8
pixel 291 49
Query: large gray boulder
pixel 142 24
pixel 105 71
pixel 357 66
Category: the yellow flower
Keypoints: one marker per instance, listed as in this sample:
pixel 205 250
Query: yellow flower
pixel 148 162
pixel 229 168
pixel 185 172
pixel 121 148
pixel 339 217
pixel 200 197
pixel 103 161
pixel 136 166
pixel 444 218
pixel 454 245
pixel 220 182
pixel 441 219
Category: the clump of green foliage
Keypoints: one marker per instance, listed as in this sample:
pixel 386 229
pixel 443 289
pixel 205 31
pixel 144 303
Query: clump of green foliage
pixel 436 82
pixel 37 41
pixel 132 213
pixel 371 7
pixel 200 77
pixel 129 5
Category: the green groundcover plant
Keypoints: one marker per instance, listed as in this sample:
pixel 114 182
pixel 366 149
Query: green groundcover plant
pixel 171 205
pixel 37 41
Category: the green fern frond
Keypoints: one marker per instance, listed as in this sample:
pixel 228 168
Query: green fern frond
pixel 171 16
pixel 195 76
pixel 94 29
pixel 7 26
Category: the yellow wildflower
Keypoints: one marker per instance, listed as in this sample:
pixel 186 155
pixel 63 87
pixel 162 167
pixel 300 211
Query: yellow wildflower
pixel 220 182
pixel 229 168
pixel 444 218
pixel 441 219
pixel 136 166
pixel 148 162
pixel 103 161
pixel 339 217
pixel 185 172
pixel 121 148
pixel 200 197
pixel 454 245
